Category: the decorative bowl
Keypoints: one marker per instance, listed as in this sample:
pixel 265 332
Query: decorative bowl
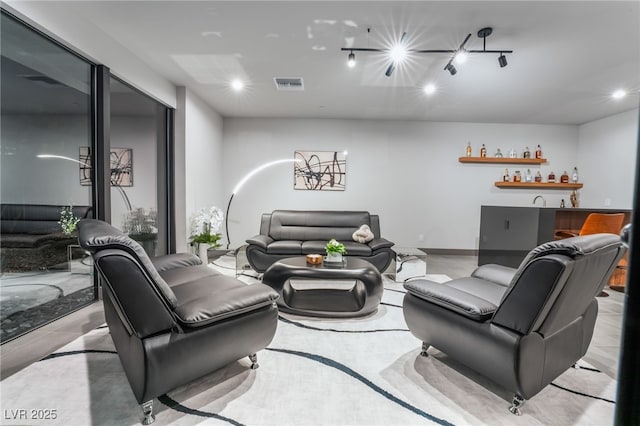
pixel 314 259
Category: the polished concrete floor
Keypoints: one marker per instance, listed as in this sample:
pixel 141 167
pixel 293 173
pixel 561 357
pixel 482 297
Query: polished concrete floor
pixel 17 354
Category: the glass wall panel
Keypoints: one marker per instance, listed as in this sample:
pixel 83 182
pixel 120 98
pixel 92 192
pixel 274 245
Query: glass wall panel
pixel 138 167
pixel 45 125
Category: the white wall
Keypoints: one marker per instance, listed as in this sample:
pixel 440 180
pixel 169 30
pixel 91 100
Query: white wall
pixel 606 156
pixel 405 171
pixel 203 160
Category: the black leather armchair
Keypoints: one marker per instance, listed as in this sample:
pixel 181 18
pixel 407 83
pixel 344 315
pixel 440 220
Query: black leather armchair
pixel 522 327
pixel 172 319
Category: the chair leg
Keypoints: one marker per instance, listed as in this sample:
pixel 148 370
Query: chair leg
pixel 147 410
pixel 516 404
pixel 423 352
pixel 254 361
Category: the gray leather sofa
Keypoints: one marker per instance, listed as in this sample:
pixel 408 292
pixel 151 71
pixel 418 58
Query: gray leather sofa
pixel 31 237
pixel 172 319
pixel 523 327
pixel 289 233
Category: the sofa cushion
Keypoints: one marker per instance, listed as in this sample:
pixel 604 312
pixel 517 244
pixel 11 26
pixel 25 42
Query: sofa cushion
pixel 353 248
pixel 315 246
pixel 316 225
pixel 453 299
pixel 357 249
pixel 477 287
pixel 285 247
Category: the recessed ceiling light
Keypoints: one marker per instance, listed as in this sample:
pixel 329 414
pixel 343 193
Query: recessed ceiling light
pixel 619 94
pixel 429 89
pixel 237 85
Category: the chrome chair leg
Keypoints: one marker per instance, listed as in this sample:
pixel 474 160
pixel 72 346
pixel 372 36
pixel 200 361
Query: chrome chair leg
pixel 423 352
pixel 516 404
pixel 254 361
pixel 147 410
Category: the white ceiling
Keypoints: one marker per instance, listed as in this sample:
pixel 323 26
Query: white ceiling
pixel 568 56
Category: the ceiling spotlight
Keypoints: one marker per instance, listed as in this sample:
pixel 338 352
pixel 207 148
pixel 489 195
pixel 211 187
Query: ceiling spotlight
pixel 237 85
pixel 460 57
pixel 398 53
pixel 502 60
pixel 619 94
pixel 452 70
pixel 429 89
pixel 351 62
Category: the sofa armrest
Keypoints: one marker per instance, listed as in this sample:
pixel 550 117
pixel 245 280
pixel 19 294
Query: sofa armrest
pixel 177 260
pixel 261 241
pixel 495 273
pixel 221 305
pixel 379 243
pixel 451 298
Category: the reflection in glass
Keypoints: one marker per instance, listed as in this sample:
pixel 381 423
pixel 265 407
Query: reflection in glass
pixel 45 107
pixel 138 144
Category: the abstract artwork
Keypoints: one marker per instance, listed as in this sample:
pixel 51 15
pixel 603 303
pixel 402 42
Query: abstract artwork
pixel 320 170
pixel 121 165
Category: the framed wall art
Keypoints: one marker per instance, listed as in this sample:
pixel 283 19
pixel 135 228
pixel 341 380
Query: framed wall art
pixel 121 165
pixel 320 170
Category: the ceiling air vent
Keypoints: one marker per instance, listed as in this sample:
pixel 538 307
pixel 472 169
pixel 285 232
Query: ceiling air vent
pixel 289 83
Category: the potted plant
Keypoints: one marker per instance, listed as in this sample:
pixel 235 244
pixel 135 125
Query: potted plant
pixel 335 250
pixel 68 220
pixel 141 225
pixel 205 224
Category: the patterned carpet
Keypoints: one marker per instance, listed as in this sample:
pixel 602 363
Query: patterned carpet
pixel 363 371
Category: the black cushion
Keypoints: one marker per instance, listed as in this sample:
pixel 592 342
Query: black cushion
pixel 463 303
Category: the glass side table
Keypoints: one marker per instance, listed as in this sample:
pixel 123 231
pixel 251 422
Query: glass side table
pixel 79 260
pixel 242 263
pixel 410 263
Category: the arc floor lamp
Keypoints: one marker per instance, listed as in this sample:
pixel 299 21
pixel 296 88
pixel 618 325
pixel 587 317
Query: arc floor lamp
pixel 244 180
pixel 125 198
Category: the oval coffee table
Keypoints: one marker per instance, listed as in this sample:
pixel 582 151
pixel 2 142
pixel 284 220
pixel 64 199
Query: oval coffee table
pixel 312 290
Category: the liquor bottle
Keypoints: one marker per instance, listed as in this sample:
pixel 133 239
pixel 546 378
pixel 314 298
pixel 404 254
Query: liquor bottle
pixel 498 153
pixel 517 177
pixel 574 199
pixel 527 176
pixel 527 153
pixel 468 149
pixel 551 178
pixel 538 152
pixel 562 203
pixel 564 178
pixel 483 151
pixel 574 175
pixel 505 176
pixel 513 153
pixel 538 177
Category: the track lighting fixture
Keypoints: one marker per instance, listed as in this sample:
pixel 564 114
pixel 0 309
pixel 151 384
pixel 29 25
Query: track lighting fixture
pixel 398 52
pixel 502 60
pixel 452 70
pixel 351 62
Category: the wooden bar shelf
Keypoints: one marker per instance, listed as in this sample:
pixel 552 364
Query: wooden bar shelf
pixel 502 160
pixel 538 185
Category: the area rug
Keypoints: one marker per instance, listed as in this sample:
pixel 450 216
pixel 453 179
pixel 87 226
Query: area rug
pixel 362 371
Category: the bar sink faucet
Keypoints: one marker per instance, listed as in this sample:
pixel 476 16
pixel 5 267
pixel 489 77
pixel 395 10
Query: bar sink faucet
pixel 544 202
